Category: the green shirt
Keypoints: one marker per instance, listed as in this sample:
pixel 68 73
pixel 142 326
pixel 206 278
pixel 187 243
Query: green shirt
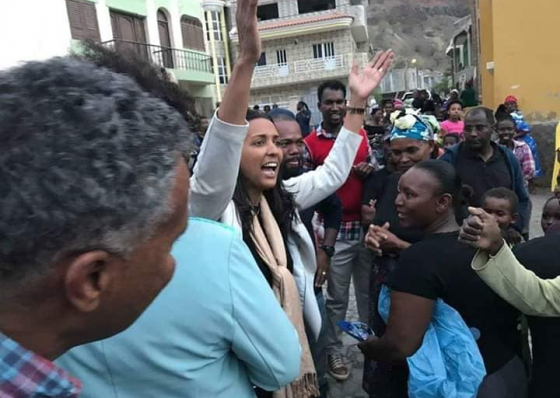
pixel 517 285
pixel 468 97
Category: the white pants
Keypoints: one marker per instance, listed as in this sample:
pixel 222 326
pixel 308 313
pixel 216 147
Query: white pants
pixel 352 261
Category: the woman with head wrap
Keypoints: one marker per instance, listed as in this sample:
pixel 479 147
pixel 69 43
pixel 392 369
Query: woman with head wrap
pixel 412 141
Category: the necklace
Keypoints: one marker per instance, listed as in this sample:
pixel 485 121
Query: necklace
pixel 256 209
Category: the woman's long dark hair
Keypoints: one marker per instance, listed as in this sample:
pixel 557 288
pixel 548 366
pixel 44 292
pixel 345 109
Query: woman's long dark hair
pixel 281 202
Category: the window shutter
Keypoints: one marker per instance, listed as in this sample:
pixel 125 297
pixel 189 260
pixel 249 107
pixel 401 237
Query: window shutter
pixel 90 19
pixel 200 37
pixel 83 20
pixel 192 32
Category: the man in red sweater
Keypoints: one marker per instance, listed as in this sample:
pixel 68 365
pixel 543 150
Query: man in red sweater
pixel 349 259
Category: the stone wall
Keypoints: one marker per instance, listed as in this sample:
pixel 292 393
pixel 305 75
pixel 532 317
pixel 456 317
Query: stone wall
pixel 545 135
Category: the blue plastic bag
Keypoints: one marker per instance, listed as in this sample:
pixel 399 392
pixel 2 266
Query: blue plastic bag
pixel 448 364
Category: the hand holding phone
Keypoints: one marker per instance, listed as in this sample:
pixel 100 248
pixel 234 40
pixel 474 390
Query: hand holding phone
pixel 358 330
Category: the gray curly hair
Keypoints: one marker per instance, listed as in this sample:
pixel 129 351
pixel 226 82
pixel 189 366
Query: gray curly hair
pixel 87 161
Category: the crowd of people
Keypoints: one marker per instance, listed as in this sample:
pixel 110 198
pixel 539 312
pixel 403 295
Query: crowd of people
pixel 149 252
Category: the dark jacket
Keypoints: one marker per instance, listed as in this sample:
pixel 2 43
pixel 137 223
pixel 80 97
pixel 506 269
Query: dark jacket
pixel 515 171
pixel 331 210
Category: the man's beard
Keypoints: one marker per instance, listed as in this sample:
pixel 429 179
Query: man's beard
pixel 290 172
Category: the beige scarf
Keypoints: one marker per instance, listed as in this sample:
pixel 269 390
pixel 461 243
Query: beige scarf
pixel 270 246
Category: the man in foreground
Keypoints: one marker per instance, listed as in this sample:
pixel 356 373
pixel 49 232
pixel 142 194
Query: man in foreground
pixel 86 226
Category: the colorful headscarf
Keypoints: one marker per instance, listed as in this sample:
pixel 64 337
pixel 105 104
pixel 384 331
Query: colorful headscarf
pixel 510 98
pixel 409 125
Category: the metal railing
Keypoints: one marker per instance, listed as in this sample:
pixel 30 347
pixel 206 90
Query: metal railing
pixel 275 70
pixel 299 67
pixel 319 64
pixel 172 58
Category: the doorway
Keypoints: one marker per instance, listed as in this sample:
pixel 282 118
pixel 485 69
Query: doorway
pixel 165 39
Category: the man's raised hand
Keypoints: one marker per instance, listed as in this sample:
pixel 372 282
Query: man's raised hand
pixel 362 83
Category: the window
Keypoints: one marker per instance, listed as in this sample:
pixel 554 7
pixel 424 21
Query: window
pixel 307 6
pixel 267 11
pixel 262 60
pixel 281 58
pixel 128 27
pixel 222 71
pixel 193 34
pixel 213 26
pixel 323 50
pixel 83 20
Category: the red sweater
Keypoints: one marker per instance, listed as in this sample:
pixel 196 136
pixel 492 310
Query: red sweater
pixel 350 193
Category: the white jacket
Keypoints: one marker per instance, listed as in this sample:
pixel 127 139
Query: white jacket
pixel 212 183
pixel 309 189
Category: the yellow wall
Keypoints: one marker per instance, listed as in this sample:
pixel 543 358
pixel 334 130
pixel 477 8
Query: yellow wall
pixel 527 62
pixel 486 33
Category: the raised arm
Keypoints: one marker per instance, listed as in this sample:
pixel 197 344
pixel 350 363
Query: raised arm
pixel 312 187
pixel 213 181
pixel 498 268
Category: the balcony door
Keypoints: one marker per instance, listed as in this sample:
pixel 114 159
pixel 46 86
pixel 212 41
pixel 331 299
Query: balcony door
pixel 325 52
pixel 282 62
pixel 129 32
pixel 165 40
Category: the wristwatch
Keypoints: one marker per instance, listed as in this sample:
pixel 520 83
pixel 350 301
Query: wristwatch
pixel 329 250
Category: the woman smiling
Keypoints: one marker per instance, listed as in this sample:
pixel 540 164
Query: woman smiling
pixel 438 267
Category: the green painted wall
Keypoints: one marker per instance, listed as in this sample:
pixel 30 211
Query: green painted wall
pixel 202 91
pixel 193 76
pixel 163 3
pixel 130 6
pixel 75 47
pixel 192 8
pixel 188 7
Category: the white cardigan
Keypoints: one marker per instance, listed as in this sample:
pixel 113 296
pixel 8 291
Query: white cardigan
pixel 308 190
pixel 215 173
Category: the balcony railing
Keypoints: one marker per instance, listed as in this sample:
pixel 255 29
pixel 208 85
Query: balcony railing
pixel 299 67
pixel 166 57
pixel 319 64
pixel 275 70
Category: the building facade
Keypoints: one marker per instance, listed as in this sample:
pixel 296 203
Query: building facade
pixel 170 33
pixel 516 58
pixel 461 50
pixel 401 80
pixel 304 42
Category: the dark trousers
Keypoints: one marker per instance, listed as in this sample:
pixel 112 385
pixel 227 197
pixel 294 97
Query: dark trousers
pixel 508 382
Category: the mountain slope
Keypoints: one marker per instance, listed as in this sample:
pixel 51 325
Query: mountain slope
pixel 418 29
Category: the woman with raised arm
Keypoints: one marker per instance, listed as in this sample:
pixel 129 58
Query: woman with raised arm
pixel 264 210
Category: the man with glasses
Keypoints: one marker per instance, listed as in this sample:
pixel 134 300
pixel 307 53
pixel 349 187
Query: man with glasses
pixel 483 164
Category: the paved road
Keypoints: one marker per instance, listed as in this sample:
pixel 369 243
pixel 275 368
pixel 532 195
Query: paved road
pixel 352 388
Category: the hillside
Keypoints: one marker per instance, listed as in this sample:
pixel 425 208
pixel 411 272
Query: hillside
pixel 418 29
